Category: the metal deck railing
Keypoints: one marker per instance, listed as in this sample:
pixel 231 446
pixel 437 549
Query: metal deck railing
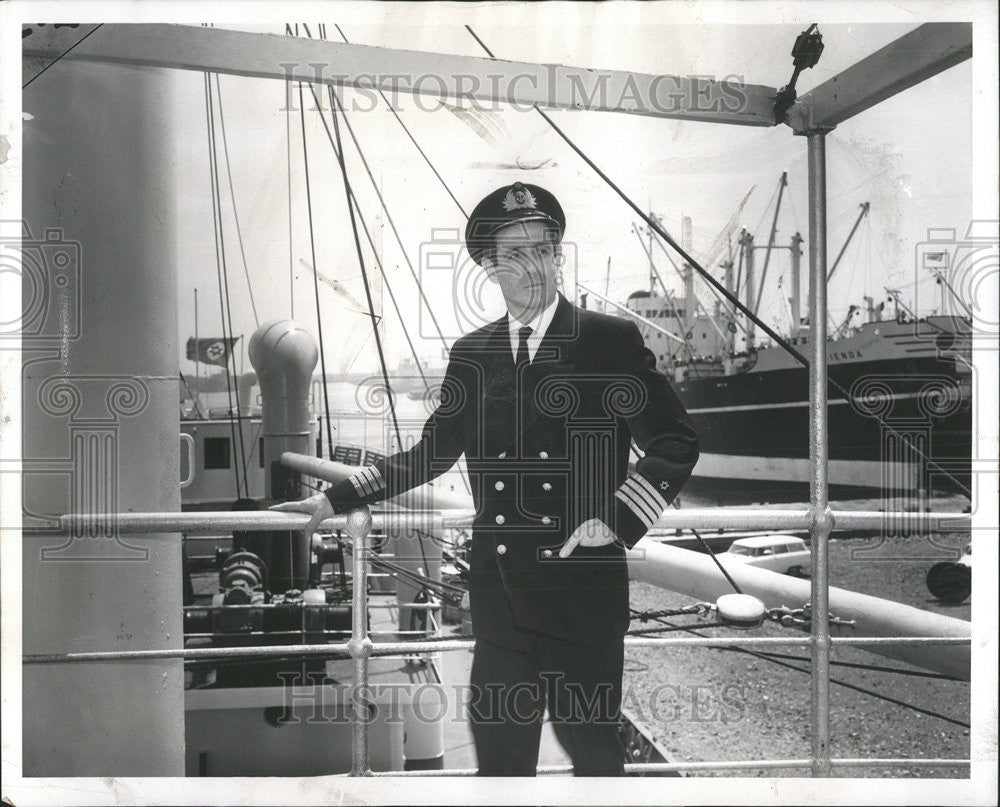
pixel 359 525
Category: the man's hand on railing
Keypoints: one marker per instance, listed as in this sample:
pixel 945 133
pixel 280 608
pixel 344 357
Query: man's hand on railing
pixel 317 506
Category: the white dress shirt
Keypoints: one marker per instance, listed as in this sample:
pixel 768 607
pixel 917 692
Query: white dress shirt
pixel 539 325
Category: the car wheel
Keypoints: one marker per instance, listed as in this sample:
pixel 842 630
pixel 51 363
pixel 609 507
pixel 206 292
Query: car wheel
pixel 949 582
pixel 795 571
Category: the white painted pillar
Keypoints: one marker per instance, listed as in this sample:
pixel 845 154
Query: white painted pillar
pixel 101 426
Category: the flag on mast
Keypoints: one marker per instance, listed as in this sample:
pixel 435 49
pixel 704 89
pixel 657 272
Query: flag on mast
pixel 211 350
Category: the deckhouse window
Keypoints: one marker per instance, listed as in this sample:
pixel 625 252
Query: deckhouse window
pixel 216 452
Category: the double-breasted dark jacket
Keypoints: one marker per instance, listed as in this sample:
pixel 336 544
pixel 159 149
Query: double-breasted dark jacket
pixel 547 448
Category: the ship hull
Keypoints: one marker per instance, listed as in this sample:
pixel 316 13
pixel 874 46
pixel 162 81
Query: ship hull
pixel 899 420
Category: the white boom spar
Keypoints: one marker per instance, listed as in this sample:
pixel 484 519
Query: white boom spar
pixel 441 75
pixel 694 574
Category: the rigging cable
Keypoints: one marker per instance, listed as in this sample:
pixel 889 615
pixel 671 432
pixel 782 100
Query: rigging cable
pixel 684 610
pixel 232 197
pixel 670 629
pixel 864 253
pixel 941 279
pixel 312 247
pixel 770 240
pixel 288 170
pixel 685 344
pixel 339 151
pixel 361 263
pixel 245 458
pixel 845 684
pixel 778 340
pixel 392 225
pixel 415 143
pixel 697 303
pixel 436 539
pixel 228 310
pixel 444 184
pixel 870 667
pixel 371 243
pixel 739 272
pixel 715 557
pixel 767 207
pixel 389 218
pixel 448 591
pixel 220 271
pixel 194 399
pixel 71 47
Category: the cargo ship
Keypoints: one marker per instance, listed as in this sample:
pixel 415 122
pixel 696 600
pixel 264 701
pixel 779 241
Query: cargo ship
pixel 900 400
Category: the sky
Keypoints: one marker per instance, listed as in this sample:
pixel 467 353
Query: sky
pixel 910 157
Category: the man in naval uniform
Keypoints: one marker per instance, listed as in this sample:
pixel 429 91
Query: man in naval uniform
pixel 544 403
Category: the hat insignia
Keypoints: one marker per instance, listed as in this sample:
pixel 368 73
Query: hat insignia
pixel 519 197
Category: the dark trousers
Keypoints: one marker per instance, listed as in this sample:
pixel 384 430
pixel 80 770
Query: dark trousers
pixel 580 684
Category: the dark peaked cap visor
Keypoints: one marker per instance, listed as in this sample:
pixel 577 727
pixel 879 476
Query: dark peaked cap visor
pixel 508 205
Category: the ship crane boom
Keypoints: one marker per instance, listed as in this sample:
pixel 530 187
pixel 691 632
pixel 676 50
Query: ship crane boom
pixel 850 235
pixel 782 183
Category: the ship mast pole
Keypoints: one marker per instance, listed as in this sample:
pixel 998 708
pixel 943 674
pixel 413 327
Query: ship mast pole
pixel 729 281
pixel 747 242
pixel 197 354
pixel 607 280
pixel 688 276
pixel 822 521
pixel 796 284
pixel 652 268
pixel 770 240
pixel 850 235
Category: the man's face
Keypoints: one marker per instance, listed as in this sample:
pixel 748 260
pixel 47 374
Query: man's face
pixel 523 264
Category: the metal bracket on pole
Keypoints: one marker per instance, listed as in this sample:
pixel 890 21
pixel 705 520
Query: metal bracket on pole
pixel 806 52
pixel 914 57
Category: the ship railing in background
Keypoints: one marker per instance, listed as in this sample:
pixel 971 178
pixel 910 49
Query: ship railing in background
pixel 359 525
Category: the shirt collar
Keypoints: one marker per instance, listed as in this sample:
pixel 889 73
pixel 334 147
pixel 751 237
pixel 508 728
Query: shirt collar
pixel 540 324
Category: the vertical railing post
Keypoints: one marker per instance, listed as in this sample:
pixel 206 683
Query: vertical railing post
pixel 822 520
pixel 359 525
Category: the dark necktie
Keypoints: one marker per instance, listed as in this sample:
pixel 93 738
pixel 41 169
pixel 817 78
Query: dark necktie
pixel 522 348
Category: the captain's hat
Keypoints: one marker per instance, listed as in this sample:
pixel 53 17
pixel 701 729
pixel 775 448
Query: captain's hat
pixel 509 205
